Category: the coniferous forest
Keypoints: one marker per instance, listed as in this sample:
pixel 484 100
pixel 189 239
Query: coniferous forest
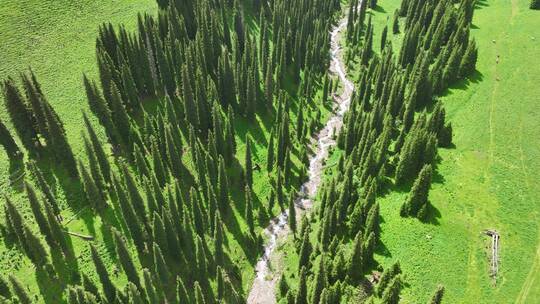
pixel 199 172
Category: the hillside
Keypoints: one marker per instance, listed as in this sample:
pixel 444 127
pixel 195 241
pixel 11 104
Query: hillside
pixel 269 151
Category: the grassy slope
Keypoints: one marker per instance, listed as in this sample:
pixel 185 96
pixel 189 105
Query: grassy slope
pixel 487 181
pixel 57 38
pixel 58 41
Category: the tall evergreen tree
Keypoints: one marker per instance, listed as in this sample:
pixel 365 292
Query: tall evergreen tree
pixel 417 201
pixel 438 295
pixel 125 258
pixel 301 294
pixel 20 290
pixel 292 214
pixel 249 212
pixel 356 261
pixel 108 287
pixel 248 164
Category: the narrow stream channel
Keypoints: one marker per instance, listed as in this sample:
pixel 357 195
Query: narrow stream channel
pixel 263 289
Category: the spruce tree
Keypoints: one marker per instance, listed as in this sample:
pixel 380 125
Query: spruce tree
pixel 248 164
pixel 125 258
pixel 93 195
pixel 391 293
pixel 383 37
pixel 20 290
pixel 44 187
pixel 218 241
pixel 468 62
pixel 417 201
pixel 270 155
pixel 301 294
pixel 108 287
pixel 37 210
pixel 249 212
pixel 319 283
pixel 356 261
pixel 59 145
pixel 386 277
pixel 181 291
pixel 199 296
pixel 395 23
pixel 292 214
pixel 35 250
pixel 161 268
pixel 283 286
pixel 438 295
pixel 305 251
pixel 223 188
pixel 4 288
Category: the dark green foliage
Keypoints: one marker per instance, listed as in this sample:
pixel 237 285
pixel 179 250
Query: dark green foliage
pixel 391 293
pixel 305 251
pixel 438 295
pixel 4 288
pixel 199 297
pixel 93 194
pixel 249 211
pixel 468 62
pixel 417 201
pixel 181 291
pixel 283 286
pixel 98 150
pixel 535 5
pixel 34 248
pixel 44 187
pixel 395 23
pixel 9 144
pixel 319 282
pixel 383 37
pixel 20 290
pixel 301 293
pixel 219 255
pixel 37 210
pixel 248 164
pixel 355 265
pixel 270 155
pixel 21 117
pixel 161 268
pixel 125 258
pixel 108 287
pixel 386 277
pixel 292 214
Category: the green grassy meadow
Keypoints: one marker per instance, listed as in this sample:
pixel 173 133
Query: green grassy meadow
pixel 57 39
pixel 487 181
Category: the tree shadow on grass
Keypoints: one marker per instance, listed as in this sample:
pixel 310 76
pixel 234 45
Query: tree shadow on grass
pixel 381 249
pixel 463 84
pixel 433 216
pixel 378 9
pixel 51 286
pixel 479 4
pixel 17 172
pixel 254 129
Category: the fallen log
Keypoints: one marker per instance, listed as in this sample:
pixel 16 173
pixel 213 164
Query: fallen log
pixel 494 265
pixel 82 236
